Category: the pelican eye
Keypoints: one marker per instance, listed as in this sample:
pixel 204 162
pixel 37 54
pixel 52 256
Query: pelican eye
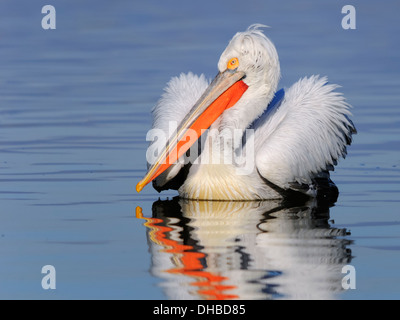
pixel 233 63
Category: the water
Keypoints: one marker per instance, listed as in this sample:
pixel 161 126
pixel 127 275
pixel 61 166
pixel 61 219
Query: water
pixel 74 111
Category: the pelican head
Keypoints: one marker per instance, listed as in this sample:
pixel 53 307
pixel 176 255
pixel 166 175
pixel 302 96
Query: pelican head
pixel 255 55
pixel 248 77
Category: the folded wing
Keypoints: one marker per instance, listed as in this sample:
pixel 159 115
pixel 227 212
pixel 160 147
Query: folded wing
pixel 304 136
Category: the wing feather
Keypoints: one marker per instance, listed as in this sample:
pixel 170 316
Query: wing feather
pixel 305 135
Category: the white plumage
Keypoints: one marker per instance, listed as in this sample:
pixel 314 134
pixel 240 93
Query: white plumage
pixel 296 141
pixel 306 134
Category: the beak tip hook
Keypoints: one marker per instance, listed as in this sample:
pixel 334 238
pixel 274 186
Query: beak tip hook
pixel 139 186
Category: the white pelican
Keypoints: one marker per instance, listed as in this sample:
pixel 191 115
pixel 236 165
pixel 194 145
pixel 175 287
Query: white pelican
pixel 297 136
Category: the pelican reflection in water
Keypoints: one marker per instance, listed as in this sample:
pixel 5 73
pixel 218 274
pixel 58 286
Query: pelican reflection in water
pixel 246 250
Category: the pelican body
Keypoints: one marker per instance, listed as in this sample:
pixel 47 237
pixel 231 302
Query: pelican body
pixel 290 139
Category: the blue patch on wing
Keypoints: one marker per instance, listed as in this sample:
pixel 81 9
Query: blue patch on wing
pixel 272 106
pixel 276 101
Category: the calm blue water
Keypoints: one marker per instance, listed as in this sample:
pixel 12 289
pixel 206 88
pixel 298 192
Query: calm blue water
pixel 74 112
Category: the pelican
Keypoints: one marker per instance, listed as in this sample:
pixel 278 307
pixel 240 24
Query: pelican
pixel 290 138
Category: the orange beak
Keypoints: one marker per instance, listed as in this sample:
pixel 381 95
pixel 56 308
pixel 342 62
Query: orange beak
pixel 223 92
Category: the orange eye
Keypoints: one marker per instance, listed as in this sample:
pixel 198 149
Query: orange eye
pixel 233 63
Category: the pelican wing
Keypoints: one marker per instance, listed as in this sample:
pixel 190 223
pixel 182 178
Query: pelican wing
pixel 179 96
pixel 305 135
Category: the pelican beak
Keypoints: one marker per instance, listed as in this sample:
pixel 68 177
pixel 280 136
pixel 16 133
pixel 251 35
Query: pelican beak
pixel 223 92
